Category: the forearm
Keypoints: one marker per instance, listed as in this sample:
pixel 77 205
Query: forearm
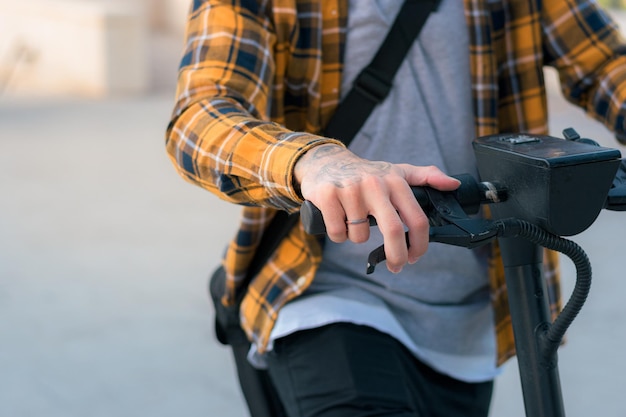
pixel 240 158
pixel 220 136
pixel 607 98
pixel 588 52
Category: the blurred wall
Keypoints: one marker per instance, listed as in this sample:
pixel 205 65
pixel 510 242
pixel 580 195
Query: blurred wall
pixel 86 47
pixel 168 15
pixel 96 48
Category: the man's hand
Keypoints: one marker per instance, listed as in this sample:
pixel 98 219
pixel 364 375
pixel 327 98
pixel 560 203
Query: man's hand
pixel 347 189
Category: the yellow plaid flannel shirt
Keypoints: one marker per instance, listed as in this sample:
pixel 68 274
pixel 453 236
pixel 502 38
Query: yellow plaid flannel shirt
pixel 259 80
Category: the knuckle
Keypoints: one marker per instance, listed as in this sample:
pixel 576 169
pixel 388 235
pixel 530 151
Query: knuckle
pixel 350 193
pixel 419 222
pixel 336 231
pixel 326 191
pixel 394 228
pixel 370 180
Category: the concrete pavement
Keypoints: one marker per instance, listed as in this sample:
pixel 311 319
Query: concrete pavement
pixel 104 255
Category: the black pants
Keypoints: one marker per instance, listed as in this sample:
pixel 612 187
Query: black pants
pixel 343 370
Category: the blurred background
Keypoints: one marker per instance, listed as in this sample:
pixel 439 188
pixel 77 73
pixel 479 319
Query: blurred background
pixel 105 251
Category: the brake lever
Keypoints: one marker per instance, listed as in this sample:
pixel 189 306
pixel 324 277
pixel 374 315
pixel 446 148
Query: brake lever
pixel 616 198
pixel 449 224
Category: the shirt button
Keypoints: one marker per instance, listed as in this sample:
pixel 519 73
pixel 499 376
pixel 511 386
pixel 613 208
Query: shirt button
pixel 301 281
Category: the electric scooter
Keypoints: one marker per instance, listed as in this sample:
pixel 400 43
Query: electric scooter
pixel 539 189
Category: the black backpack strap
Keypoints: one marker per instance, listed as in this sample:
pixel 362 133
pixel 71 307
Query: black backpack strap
pixel 374 82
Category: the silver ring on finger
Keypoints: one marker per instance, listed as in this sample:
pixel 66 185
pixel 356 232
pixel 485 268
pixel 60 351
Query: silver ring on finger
pixel 357 221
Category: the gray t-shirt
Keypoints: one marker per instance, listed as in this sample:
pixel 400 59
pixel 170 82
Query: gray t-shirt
pixel 440 307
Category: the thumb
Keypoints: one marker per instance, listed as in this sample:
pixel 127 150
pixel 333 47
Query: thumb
pixel 429 176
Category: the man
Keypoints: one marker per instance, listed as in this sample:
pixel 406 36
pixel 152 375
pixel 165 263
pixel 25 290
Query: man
pixel 260 80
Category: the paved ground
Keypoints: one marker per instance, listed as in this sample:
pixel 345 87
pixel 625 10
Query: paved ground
pixel 104 254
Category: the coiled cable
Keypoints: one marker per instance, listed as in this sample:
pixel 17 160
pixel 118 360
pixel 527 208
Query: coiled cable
pixel 523 229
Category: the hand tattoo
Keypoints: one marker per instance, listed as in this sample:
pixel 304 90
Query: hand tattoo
pixel 344 170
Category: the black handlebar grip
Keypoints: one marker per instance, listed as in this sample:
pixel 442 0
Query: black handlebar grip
pixel 312 219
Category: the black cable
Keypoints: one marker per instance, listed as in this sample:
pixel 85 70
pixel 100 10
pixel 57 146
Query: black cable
pixel 520 228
